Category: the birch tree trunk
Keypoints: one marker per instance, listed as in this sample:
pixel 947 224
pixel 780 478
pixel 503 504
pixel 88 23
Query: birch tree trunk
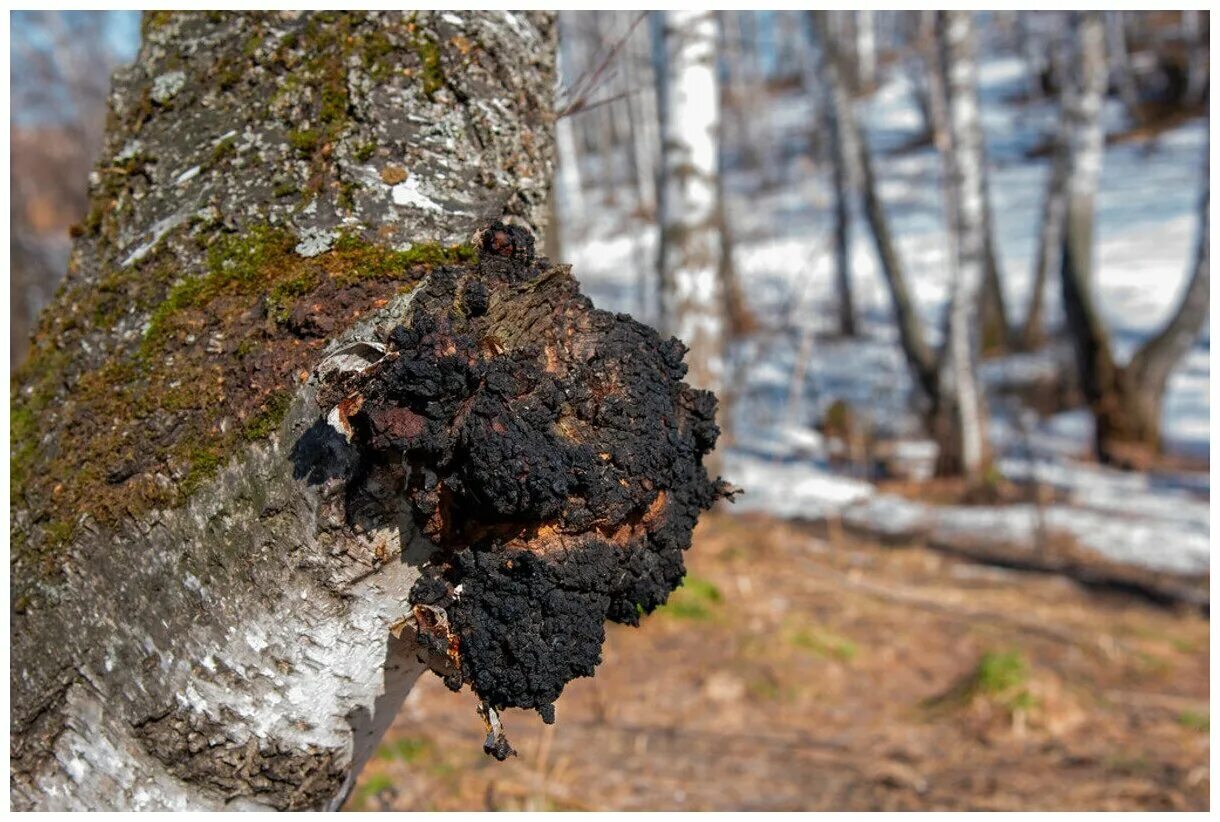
pixel 206 577
pixel 1031 54
pixel 1086 85
pixel 1197 67
pixel 1120 66
pixel 1125 401
pixel 1154 361
pixel 689 259
pixel 1049 254
pixel 866 49
pixel 957 70
pixel 961 417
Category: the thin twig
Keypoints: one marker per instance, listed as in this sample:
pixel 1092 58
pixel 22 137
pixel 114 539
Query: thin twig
pixel 579 106
pixel 588 81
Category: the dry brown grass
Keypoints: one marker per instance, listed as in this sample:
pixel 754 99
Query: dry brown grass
pixel 793 673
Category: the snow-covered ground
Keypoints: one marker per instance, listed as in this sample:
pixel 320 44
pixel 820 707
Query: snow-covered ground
pixel 1146 224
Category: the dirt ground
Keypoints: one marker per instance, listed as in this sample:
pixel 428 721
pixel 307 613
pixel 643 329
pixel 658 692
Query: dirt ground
pixel 798 672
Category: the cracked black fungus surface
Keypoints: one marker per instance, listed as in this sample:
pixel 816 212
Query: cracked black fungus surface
pixel 554 455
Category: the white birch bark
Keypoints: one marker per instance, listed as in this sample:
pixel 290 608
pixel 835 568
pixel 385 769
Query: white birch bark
pixel 1085 138
pixel 966 205
pixel 692 305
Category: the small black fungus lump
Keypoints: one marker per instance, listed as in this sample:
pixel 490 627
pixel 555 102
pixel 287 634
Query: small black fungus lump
pixel 553 454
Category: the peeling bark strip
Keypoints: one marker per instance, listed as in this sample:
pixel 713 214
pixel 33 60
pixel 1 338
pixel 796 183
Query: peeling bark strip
pixel 193 625
pixel 548 449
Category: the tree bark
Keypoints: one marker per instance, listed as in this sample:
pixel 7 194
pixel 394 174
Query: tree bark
pixel 1147 375
pixel 1197 67
pixel 841 154
pixel 1125 401
pixel 1050 235
pixel 957 67
pixel 961 414
pixel 921 361
pixel 194 626
pixel 1082 115
pixel 690 254
pixel 1120 66
pixel 866 50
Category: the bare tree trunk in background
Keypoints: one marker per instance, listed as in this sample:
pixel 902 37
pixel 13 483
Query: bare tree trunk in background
pixel 641 112
pixel 866 50
pixel 826 85
pixel 1120 66
pixel 961 414
pixel 193 625
pixel 921 362
pixel 1125 401
pixel 1083 98
pixel 1198 74
pixel 1050 244
pixel 692 299
pixel 1049 255
pixel 920 67
pixel 737 313
pixel 1152 364
pixel 1035 62
pixel 956 87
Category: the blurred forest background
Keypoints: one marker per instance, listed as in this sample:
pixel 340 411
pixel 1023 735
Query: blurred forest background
pixel 949 274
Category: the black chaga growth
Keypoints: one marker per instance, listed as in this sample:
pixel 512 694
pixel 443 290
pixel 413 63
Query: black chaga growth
pixel 553 454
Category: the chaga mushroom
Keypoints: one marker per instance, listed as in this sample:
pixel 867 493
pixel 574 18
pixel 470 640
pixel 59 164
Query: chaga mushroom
pixel 554 456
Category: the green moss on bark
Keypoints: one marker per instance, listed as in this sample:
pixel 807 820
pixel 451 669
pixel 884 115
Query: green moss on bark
pixel 223 353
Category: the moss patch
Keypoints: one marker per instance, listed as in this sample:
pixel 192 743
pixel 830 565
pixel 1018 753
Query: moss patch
pixel 224 350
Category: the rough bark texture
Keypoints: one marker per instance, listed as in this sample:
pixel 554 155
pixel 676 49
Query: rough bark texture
pixel 202 589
